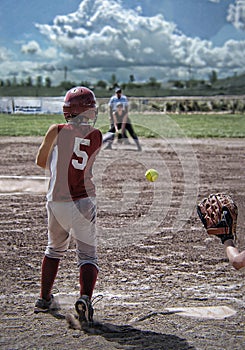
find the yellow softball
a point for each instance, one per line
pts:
(151, 175)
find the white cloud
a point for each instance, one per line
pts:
(107, 34)
(32, 47)
(39, 64)
(5, 54)
(236, 14)
(102, 33)
(50, 53)
(102, 38)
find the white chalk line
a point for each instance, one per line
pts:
(24, 177)
(23, 184)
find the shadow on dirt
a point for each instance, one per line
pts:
(133, 338)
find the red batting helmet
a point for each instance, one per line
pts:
(77, 100)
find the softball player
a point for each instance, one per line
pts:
(114, 100)
(122, 121)
(68, 151)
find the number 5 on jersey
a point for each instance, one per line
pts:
(80, 165)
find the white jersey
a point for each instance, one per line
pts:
(114, 101)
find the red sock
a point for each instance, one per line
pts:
(49, 272)
(88, 277)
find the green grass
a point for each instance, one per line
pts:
(196, 126)
(145, 125)
(27, 125)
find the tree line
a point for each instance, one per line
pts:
(39, 81)
(43, 86)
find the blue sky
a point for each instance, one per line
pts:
(94, 39)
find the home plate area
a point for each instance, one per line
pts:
(208, 312)
(165, 283)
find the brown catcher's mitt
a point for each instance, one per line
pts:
(218, 213)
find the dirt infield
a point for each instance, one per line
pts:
(165, 283)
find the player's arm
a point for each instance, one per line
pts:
(42, 158)
(110, 104)
(111, 113)
(236, 259)
(115, 121)
(124, 121)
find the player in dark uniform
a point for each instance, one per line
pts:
(114, 100)
(121, 122)
(68, 151)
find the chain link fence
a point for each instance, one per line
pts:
(195, 104)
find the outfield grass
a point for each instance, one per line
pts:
(196, 126)
(145, 125)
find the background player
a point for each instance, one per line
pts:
(122, 121)
(68, 151)
(114, 100)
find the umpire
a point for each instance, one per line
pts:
(114, 100)
(118, 97)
